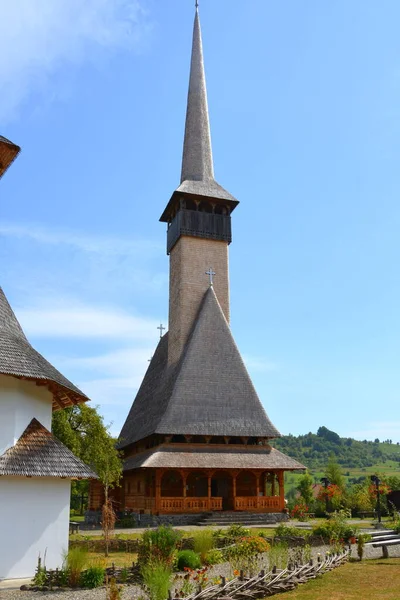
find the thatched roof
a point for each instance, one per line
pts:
(8, 152)
(208, 393)
(18, 358)
(212, 457)
(39, 454)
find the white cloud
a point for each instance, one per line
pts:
(85, 322)
(88, 243)
(37, 37)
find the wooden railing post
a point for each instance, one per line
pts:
(209, 476)
(258, 490)
(281, 490)
(234, 475)
(158, 490)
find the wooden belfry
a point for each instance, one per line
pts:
(197, 438)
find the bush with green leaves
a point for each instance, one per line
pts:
(159, 545)
(93, 577)
(157, 579)
(188, 558)
(74, 563)
(278, 555)
(243, 554)
(336, 529)
(236, 531)
(289, 531)
(203, 542)
(214, 557)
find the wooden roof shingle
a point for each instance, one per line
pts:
(208, 393)
(20, 359)
(38, 453)
(212, 457)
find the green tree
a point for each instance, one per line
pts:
(82, 430)
(333, 472)
(305, 488)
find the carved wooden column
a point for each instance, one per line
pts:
(158, 490)
(184, 476)
(258, 489)
(234, 475)
(281, 490)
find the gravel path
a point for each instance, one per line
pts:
(133, 592)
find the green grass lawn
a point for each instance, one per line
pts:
(366, 580)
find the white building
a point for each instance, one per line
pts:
(35, 468)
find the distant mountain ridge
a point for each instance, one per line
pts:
(314, 450)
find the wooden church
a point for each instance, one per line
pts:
(197, 438)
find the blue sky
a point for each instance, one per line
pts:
(305, 115)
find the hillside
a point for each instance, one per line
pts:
(313, 451)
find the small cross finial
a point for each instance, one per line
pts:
(161, 328)
(197, 4)
(211, 274)
(150, 359)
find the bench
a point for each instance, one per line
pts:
(367, 513)
(73, 527)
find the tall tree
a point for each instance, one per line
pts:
(81, 428)
(305, 488)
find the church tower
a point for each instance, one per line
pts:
(197, 438)
(198, 216)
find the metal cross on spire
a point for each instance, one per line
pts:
(197, 4)
(161, 328)
(211, 274)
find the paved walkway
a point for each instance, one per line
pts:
(13, 584)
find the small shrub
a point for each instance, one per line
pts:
(361, 540)
(113, 591)
(214, 557)
(203, 542)
(243, 555)
(156, 577)
(188, 558)
(288, 530)
(75, 561)
(299, 511)
(236, 531)
(278, 555)
(124, 574)
(93, 577)
(159, 545)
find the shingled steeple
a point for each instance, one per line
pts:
(197, 175)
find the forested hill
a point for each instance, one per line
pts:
(314, 450)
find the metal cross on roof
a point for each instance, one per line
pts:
(161, 328)
(197, 4)
(211, 274)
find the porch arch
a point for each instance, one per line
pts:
(171, 484)
(197, 484)
(246, 484)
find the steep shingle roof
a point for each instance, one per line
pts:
(202, 457)
(18, 358)
(39, 454)
(8, 152)
(209, 393)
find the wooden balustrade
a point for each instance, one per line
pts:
(189, 504)
(269, 503)
(140, 502)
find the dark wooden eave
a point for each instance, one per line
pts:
(8, 153)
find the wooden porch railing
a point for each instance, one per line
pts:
(201, 504)
(140, 502)
(271, 503)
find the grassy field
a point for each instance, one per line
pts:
(367, 580)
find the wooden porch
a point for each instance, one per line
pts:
(174, 491)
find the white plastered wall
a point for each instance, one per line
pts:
(20, 402)
(34, 519)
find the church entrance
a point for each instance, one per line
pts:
(221, 486)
